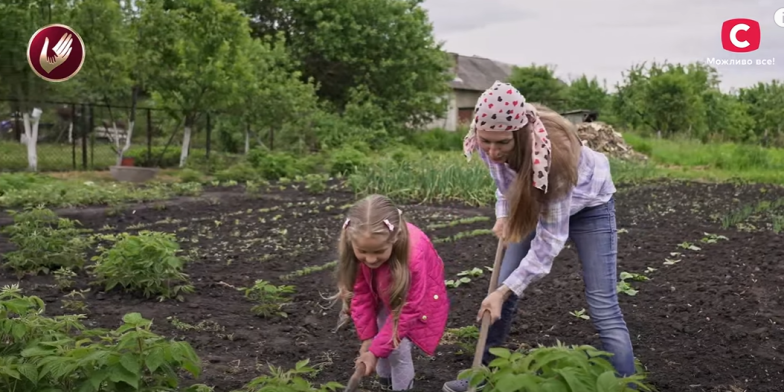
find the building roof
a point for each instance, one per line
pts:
(478, 73)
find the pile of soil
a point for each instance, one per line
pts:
(602, 137)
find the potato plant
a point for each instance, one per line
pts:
(146, 263)
(554, 369)
(48, 354)
(44, 242)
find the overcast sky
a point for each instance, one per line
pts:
(603, 38)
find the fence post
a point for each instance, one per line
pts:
(92, 136)
(209, 138)
(73, 139)
(84, 137)
(149, 136)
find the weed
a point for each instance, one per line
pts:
(291, 380)
(269, 298)
(580, 314)
(464, 337)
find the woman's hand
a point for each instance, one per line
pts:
(493, 304)
(499, 229)
(370, 360)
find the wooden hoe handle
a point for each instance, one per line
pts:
(480, 344)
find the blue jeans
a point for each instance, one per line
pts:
(594, 233)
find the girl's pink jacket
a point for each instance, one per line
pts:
(424, 316)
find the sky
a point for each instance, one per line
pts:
(604, 38)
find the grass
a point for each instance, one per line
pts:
(56, 157)
(407, 174)
(689, 159)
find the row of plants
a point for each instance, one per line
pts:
(27, 190)
(61, 354)
(149, 263)
(48, 354)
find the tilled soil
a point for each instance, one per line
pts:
(710, 322)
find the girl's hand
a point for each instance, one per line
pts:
(499, 229)
(370, 360)
(365, 346)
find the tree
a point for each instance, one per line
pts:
(539, 84)
(584, 93)
(18, 21)
(195, 51)
(765, 102)
(110, 74)
(383, 46)
(274, 93)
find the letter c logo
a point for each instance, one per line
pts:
(734, 35)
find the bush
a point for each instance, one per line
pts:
(344, 161)
(216, 162)
(169, 157)
(437, 140)
(146, 262)
(241, 172)
(190, 175)
(274, 165)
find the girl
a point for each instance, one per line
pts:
(550, 188)
(398, 295)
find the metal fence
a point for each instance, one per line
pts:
(85, 136)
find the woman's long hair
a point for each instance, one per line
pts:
(526, 203)
(367, 217)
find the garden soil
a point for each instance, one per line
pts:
(711, 322)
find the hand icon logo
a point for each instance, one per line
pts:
(53, 60)
(61, 52)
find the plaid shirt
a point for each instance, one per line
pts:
(594, 187)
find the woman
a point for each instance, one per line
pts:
(549, 188)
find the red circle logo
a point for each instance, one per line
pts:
(55, 53)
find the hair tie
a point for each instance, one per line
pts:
(390, 226)
(345, 224)
(502, 108)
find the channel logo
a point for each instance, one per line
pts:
(740, 35)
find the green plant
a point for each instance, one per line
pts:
(316, 183)
(268, 297)
(63, 278)
(241, 172)
(190, 175)
(59, 353)
(44, 242)
(273, 165)
(345, 160)
(145, 262)
(625, 287)
(288, 381)
(464, 337)
(553, 369)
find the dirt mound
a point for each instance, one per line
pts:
(602, 137)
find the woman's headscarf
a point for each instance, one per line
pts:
(502, 108)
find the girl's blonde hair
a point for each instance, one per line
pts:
(369, 216)
(526, 203)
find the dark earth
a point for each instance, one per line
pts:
(712, 322)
